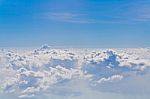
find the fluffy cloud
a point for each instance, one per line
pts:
(110, 79)
(28, 73)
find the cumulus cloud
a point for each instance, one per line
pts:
(30, 73)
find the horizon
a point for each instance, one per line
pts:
(68, 47)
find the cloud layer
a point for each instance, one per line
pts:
(59, 72)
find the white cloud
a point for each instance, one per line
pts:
(110, 79)
(26, 74)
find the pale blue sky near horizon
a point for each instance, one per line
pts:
(75, 23)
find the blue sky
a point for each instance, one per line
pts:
(75, 23)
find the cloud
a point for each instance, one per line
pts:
(129, 18)
(143, 14)
(69, 17)
(43, 70)
(138, 12)
(111, 79)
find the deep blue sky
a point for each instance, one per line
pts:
(75, 23)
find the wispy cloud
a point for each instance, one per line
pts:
(69, 17)
(81, 18)
(142, 13)
(134, 14)
(84, 18)
(139, 12)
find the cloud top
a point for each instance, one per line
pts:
(28, 73)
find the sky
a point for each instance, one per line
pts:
(75, 23)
